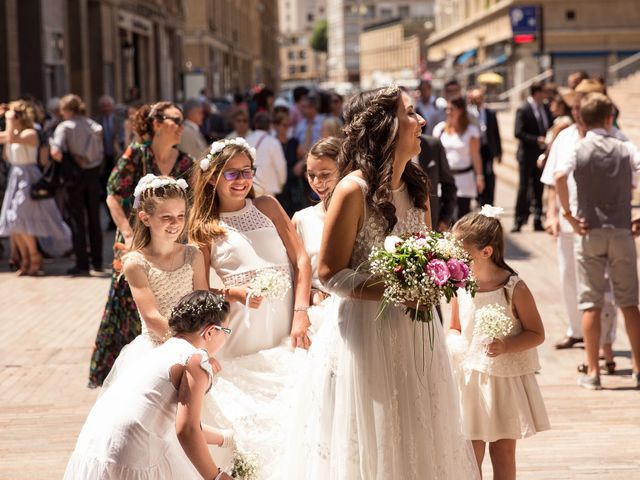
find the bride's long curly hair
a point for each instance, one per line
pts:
(371, 129)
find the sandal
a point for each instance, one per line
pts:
(610, 367)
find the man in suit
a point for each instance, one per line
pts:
(442, 195)
(490, 143)
(532, 122)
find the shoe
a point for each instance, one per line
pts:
(567, 342)
(537, 226)
(516, 227)
(610, 367)
(636, 378)
(78, 272)
(590, 383)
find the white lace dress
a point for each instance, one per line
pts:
(168, 288)
(499, 396)
(130, 431)
(251, 244)
(394, 411)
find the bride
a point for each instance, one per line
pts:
(395, 411)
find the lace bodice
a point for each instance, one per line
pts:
(508, 364)
(168, 287)
(372, 233)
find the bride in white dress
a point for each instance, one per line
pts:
(394, 414)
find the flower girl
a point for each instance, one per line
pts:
(131, 430)
(160, 270)
(493, 340)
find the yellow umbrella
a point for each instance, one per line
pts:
(490, 78)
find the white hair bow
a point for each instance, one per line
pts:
(152, 181)
(491, 211)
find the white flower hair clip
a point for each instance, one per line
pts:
(217, 147)
(152, 181)
(491, 212)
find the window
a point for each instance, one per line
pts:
(403, 11)
(309, 17)
(302, 54)
(303, 69)
(385, 12)
(291, 55)
(292, 69)
(570, 15)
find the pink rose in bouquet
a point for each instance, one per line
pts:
(438, 272)
(459, 272)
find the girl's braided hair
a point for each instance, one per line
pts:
(198, 310)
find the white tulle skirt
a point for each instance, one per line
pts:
(377, 402)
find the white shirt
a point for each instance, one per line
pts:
(458, 150)
(539, 112)
(561, 153)
(271, 166)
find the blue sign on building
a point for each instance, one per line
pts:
(524, 20)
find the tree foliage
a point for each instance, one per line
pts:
(319, 36)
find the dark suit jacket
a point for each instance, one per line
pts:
(493, 134)
(528, 131)
(433, 161)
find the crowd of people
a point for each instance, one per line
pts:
(210, 201)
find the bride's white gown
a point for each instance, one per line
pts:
(394, 411)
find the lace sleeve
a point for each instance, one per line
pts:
(190, 254)
(136, 258)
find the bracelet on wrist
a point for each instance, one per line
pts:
(301, 309)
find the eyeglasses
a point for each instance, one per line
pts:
(322, 178)
(177, 120)
(217, 327)
(246, 173)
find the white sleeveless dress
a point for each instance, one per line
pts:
(394, 412)
(168, 288)
(251, 244)
(130, 432)
(499, 396)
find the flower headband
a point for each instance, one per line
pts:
(211, 302)
(217, 147)
(152, 181)
(491, 212)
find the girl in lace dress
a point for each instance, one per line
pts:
(500, 398)
(393, 415)
(159, 269)
(130, 432)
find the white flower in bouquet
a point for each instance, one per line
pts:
(271, 284)
(390, 243)
(245, 466)
(492, 321)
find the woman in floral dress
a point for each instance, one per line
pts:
(160, 128)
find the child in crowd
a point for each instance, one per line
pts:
(499, 396)
(131, 430)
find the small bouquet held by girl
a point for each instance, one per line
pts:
(419, 269)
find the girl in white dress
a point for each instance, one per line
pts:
(239, 236)
(130, 432)
(461, 141)
(393, 416)
(500, 398)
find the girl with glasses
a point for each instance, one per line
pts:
(147, 424)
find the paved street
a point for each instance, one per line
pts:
(48, 326)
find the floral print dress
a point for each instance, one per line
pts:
(120, 321)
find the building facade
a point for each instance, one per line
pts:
(475, 36)
(348, 18)
(230, 45)
(299, 63)
(393, 52)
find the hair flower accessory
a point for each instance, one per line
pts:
(491, 212)
(152, 181)
(217, 147)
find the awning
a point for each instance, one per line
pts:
(486, 65)
(463, 57)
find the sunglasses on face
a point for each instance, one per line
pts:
(246, 173)
(177, 120)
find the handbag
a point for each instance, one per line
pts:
(48, 184)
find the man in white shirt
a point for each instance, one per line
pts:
(271, 166)
(562, 149)
(192, 141)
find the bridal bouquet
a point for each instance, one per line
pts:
(422, 267)
(270, 284)
(245, 466)
(492, 321)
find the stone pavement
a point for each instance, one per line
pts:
(49, 324)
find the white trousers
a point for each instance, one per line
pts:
(568, 279)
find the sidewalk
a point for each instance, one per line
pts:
(49, 325)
